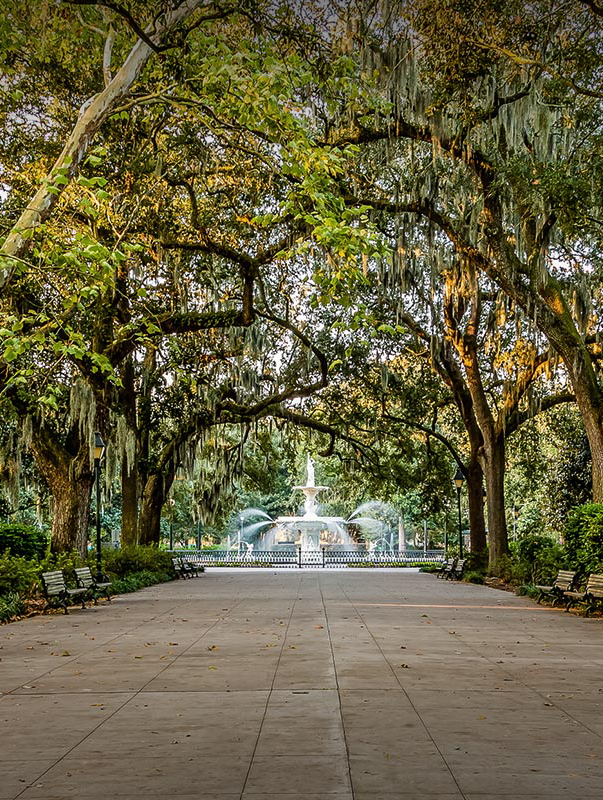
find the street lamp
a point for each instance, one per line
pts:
(459, 479)
(99, 451)
(171, 503)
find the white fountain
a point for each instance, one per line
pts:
(311, 530)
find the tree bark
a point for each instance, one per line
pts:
(129, 470)
(149, 520)
(129, 503)
(493, 463)
(67, 470)
(477, 522)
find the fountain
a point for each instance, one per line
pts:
(310, 531)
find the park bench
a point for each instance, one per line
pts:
(564, 582)
(591, 597)
(179, 569)
(447, 568)
(194, 567)
(58, 594)
(457, 571)
(186, 569)
(94, 588)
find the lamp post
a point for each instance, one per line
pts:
(459, 479)
(99, 451)
(172, 503)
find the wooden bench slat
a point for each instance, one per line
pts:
(591, 596)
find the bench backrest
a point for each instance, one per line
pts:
(53, 583)
(595, 583)
(460, 564)
(565, 580)
(450, 563)
(84, 577)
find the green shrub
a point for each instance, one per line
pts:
(584, 538)
(542, 557)
(533, 559)
(134, 559)
(18, 574)
(11, 605)
(138, 580)
(23, 540)
(527, 590)
(473, 577)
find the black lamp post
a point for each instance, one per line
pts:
(459, 479)
(172, 503)
(99, 451)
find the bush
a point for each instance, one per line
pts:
(18, 574)
(138, 580)
(528, 590)
(134, 559)
(584, 538)
(473, 577)
(542, 557)
(23, 540)
(11, 605)
(534, 559)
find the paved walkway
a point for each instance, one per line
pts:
(303, 686)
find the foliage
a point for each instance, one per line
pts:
(139, 580)
(18, 539)
(129, 560)
(534, 559)
(584, 538)
(473, 577)
(18, 574)
(528, 590)
(11, 605)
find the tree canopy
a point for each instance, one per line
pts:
(226, 228)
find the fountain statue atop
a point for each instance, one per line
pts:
(310, 472)
(310, 491)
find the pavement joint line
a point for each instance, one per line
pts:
(403, 690)
(271, 690)
(134, 695)
(518, 680)
(345, 738)
(87, 652)
(433, 605)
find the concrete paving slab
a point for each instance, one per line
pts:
(356, 685)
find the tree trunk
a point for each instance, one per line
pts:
(129, 503)
(477, 523)
(66, 468)
(493, 463)
(588, 400)
(149, 520)
(129, 466)
(71, 509)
